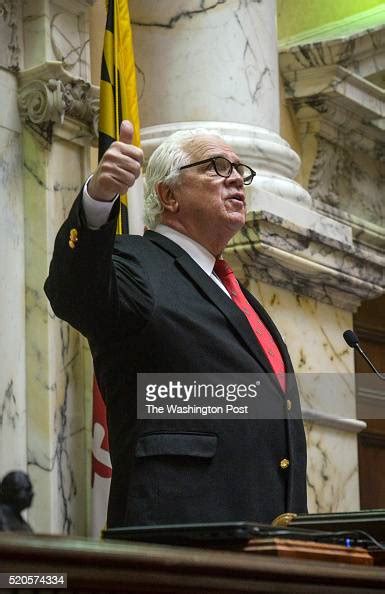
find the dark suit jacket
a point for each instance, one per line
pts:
(150, 308)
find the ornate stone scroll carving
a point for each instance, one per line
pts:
(45, 101)
(80, 104)
(42, 102)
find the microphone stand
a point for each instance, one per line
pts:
(351, 340)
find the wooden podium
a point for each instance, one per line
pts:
(105, 566)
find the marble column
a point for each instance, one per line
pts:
(58, 108)
(12, 296)
(218, 61)
(214, 64)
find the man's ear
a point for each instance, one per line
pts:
(167, 197)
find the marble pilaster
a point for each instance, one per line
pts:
(57, 453)
(13, 420)
(59, 111)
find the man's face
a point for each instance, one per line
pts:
(210, 206)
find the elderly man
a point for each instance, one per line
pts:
(167, 302)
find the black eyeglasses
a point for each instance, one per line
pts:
(224, 168)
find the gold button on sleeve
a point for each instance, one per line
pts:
(284, 463)
(71, 244)
(288, 404)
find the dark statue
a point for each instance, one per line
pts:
(16, 494)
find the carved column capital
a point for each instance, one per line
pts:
(46, 100)
(42, 102)
(81, 103)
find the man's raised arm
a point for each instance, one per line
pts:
(81, 283)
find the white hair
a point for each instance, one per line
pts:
(163, 166)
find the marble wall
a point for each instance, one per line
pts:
(350, 180)
(13, 418)
(46, 125)
(57, 446)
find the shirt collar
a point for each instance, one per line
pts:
(195, 250)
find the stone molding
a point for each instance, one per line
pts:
(9, 35)
(368, 235)
(339, 423)
(340, 30)
(304, 260)
(362, 53)
(336, 90)
(341, 106)
(49, 95)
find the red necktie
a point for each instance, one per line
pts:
(227, 276)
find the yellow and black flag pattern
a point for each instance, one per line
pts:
(118, 98)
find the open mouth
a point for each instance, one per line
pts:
(237, 197)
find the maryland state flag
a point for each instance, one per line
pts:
(118, 98)
(118, 102)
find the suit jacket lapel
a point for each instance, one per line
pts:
(233, 314)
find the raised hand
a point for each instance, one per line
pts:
(118, 168)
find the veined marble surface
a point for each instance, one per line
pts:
(57, 31)
(336, 88)
(11, 41)
(349, 180)
(57, 395)
(12, 311)
(332, 470)
(56, 421)
(361, 52)
(204, 61)
(311, 259)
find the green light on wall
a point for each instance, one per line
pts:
(309, 20)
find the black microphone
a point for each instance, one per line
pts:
(352, 341)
